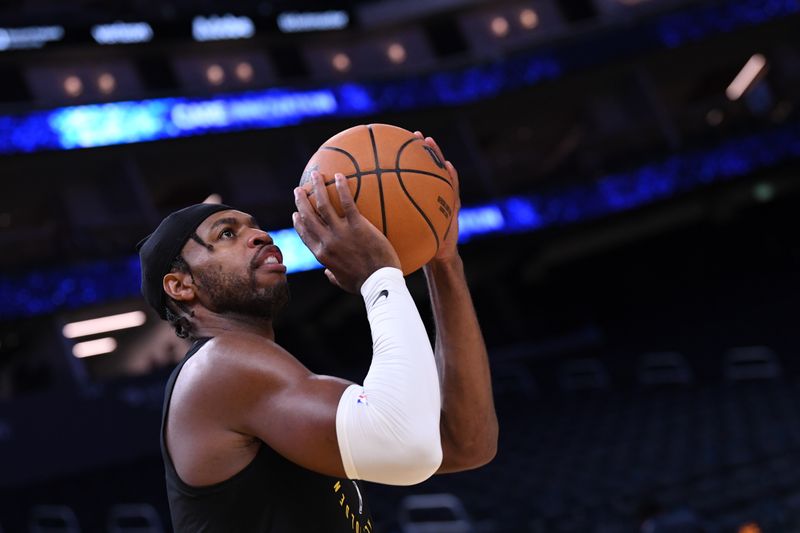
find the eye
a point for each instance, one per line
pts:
(227, 233)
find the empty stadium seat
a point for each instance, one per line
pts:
(664, 368)
(583, 374)
(53, 519)
(433, 513)
(134, 518)
(751, 363)
(513, 379)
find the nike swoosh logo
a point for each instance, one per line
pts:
(384, 292)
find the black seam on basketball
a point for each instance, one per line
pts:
(403, 147)
(403, 170)
(397, 163)
(378, 172)
(424, 173)
(419, 209)
(398, 170)
(449, 225)
(353, 160)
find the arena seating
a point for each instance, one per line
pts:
(53, 519)
(134, 518)
(433, 513)
(587, 457)
(581, 450)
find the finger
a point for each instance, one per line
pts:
(332, 278)
(308, 237)
(454, 180)
(453, 173)
(307, 217)
(418, 134)
(430, 142)
(345, 197)
(324, 207)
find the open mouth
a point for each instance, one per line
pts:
(269, 256)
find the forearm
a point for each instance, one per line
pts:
(468, 423)
(388, 429)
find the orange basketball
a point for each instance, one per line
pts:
(398, 183)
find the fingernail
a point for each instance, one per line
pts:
(338, 176)
(315, 174)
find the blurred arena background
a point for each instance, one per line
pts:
(630, 176)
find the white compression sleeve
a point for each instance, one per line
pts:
(388, 430)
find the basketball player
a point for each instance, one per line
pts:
(251, 439)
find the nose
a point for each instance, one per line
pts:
(258, 237)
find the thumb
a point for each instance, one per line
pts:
(332, 278)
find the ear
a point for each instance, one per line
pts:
(179, 286)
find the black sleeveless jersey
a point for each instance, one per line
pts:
(271, 494)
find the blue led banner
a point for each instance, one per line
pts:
(47, 291)
(116, 123)
(693, 24)
(90, 126)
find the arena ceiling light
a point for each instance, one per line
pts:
(95, 347)
(73, 86)
(215, 74)
(226, 27)
(106, 83)
(292, 22)
(341, 62)
(122, 33)
(396, 53)
(752, 71)
(528, 18)
(104, 324)
(244, 71)
(499, 26)
(29, 37)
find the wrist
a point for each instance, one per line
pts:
(372, 285)
(437, 265)
(378, 266)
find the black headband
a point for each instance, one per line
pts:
(158, 250)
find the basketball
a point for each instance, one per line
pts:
(398, 182)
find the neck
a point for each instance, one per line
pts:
(211, 324)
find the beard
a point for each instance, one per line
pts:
(241, 294)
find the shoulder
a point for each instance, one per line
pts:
(241, 352)
(229, 367)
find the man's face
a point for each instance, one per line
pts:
(238, 270)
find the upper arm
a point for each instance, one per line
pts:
(266, 393)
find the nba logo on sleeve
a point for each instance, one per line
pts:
(362, 398)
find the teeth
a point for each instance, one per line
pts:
(271, 260)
